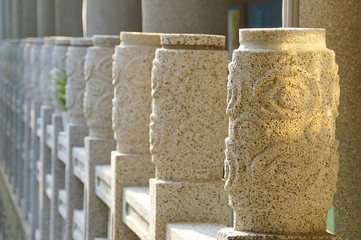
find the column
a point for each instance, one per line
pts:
(341, 20)
(131, 163)
(99, 93)
(111, 17)
(281, 152)
(29, 18)
(68, 18)
(187, 128)
(17, 9)
(186, 16)
(45, 11)
(8, 18)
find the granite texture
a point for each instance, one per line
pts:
(132, 69)
(188, 125)
(98, 152)
(281, 153)
(74, 198)
(230, 234)
(99, 89)
(35, 55)
(112, 16)
(186, 16)
(75, 85)
(342, 23)
(131, 163)
(45, 62)
(189, 98)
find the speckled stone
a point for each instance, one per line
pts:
(342, 22)
(188, 123)
(75, 85)
(35, 58)
(281, 153)
(99, 89)
(45, 62)
(131, 163)
(189, 92)
(132, 69)
(230, 234)
(186, 16)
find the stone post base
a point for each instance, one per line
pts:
(230, 234)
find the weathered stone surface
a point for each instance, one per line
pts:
(75, 85)
(187, 126)
(131, 163)
(99, 89)
(45, 62)
(132, 67)
(188, 121)
(342, 23)
(230, 234)
(186, 16)
(281, 157)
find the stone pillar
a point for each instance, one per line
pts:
(16, 18)
(131, 163)
(76, 129)
(45, 71)
(8, 18)
(186, 16)
(281, 152)
(45, 11)
(29, 15)
(36, 101)
(342, 21)
(98, 97)
(68, 18)
(188, 123)
(58, 70)
(111, 17)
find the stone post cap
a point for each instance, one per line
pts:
(106, 40)
(37, 41)
(81, 42)
(14, 40)
(199, 41)
(140, 38)
(282, 37)
(49, 40)
(62, 41)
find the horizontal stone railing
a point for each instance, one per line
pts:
(135, 148)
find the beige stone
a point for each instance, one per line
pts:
(187, 127)
(131, 163)
(132, 91)
(342, 23)
(281, 158)
(75, 85)
(45, 62)
(99, 89)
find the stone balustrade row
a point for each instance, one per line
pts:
(123, 137)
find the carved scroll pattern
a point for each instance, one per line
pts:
(281, 133)
(132, 99)
(99, 91)
(75, 86)
(188, 113)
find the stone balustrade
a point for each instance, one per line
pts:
(137, 150)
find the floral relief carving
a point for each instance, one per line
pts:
(281, 138)
(99, 91)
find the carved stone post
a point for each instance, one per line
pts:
(45, 71)
(281, 158)
(35, 104)
(187, 126)
(98, 97)
(131, 163)
(73, 135)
